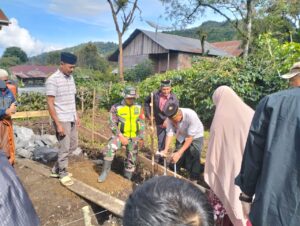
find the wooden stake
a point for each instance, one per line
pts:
(152, 130)
(93, 121)
(82, 100)
(86, 216)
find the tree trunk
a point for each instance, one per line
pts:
(121, 67)
(248, 22)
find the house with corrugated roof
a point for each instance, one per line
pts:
(166, 51)
(3, 19)
(32, 75)
(233, 47)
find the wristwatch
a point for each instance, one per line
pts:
(244, 198)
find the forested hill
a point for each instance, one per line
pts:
(215, 31)
(104, 48)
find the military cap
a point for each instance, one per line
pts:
(129, 92)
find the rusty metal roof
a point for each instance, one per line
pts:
(233, 47)
(3, 19)
(175, 43)
(32, 71)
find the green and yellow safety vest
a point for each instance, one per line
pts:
(129, 124)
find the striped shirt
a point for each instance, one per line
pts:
(63, 88)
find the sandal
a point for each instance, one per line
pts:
(66, 180)
(56, 175)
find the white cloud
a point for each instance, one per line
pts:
(87, 11)
(79, 7)
(14, 35)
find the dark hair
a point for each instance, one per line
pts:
(167, 201)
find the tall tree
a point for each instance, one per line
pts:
(89, 57)
(16, 52)
(238, 12)
(122, 10)
(280, 17)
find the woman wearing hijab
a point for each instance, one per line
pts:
(228, 135)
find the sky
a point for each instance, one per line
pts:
(39, 26)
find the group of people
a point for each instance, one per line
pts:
(251, 166)
(250, 154)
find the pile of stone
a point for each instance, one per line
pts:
(37, 147)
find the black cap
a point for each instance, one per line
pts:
(68, 58)
(171, 109)
(165, 83)
(2, 84)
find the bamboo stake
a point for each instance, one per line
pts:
(152, 131)
(93, 120)
(86, 216)
(82, 100)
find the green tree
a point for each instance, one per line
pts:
(121, 10)
(139, 72)
(7, 62)
(15, 52)
(89, 57)
(52, 58)
(280, 17)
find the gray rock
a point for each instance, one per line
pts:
(24, 153)
(49, 140)
(23, 133)
(45, 154)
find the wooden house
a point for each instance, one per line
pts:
(166, 51)
(32, 75)
(3, 19)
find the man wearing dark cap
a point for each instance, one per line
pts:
(61, 91)
(160, 98)
(7, 108)
(185, 124)
(270, 172)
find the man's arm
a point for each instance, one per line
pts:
(113, 122)
(170, 133)
(187, 143)
(52, 112)
(9, 109)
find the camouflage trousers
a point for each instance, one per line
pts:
(115, 144)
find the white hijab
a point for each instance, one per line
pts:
(228, 136)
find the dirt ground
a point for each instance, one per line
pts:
(55, 205)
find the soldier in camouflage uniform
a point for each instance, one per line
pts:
(127, 124)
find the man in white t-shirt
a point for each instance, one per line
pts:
(185, 124)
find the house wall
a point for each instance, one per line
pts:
(161, 62)
(184, 60)
(139, 49)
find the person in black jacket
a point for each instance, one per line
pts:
(160, 98)
(15, 205)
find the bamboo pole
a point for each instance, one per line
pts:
(82, 100)
(93, 120)
(152, 130)
(86, 216)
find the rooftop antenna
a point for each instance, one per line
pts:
(157, 27)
